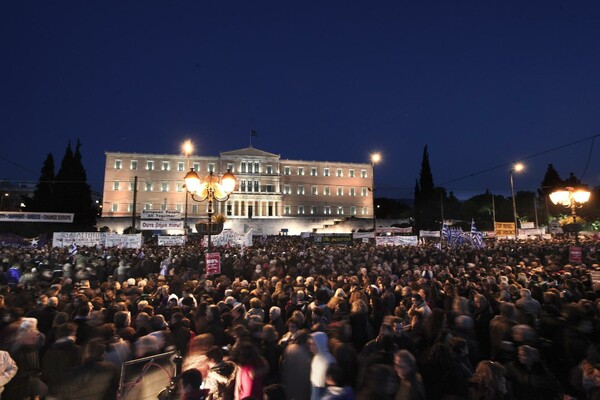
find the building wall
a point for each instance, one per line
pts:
(267, 186)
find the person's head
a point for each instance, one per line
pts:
(334, 375)
(274, 313)
(94, 351)
(214, 356)
(405, 364)
(491, 376)
(274, 392)
(528, 355)
(190, 381)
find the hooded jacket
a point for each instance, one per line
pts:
(321, 360)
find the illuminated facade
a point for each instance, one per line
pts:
(267, 187)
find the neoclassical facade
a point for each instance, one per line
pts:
(268, 187)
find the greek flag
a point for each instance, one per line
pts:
(73, 249)
(446, 233)
(476, 237)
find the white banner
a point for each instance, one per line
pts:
(397, 240)
(160, 225)
(527, 225)
(229, 238)
(15, 216)
(91, 239)
(433, 234)
(65, 239)
(362, 235)
(171, 240)
(132, 241)
(393, 229)
(161, 214)
(532, 232)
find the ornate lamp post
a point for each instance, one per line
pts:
(375, 159)
(571, 198)
(187, 148)
(209, 189)
(516, 168)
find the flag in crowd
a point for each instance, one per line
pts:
(476, 236)
(455, 236)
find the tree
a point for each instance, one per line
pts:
(427, 203)
(44, 198)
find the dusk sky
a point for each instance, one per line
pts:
(482, 83)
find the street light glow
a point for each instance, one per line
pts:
(518, 167)
(375, 158)
(187, 147)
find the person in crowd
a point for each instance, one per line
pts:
(322, 358)
(336, 390)
(220, 379)
(410, 386)
(61, 358)
(295, 367)
(489, 382)
(8, 369)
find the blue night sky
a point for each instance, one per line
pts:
(482, 83)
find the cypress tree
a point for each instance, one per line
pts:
(44, 199)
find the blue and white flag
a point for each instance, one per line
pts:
(73, 249)
(476, 237)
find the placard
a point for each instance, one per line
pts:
(575, 254)
(171, 240)
(160, 225)
(213, 263)
(161, 214)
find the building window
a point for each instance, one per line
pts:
(179, 207)
(194, 208)
(242, 185)
(129, 207)
(365, 210)
(256, 186)
(287, 210)
(229, 209)
(301, 189)
(269, 169)
(166, 166)
(339, 173)
(164, 186)
(230, 167)
(116, 185)
(313, 171)
(149, 186)
(363, 173)
(243, 167)
(363, 191)
(287, 170)
(326, 191)
(268, 188)
(301, 171)
(180, 166)
(300, 209)
(340, 191)
(256, 167)
(211, 167)
(179, 187)
(313, 210)
(131, 186)
(118, 164)
(352, 192)
(249, 186)
(314, 190)
(196, 166)
(133, 165)
(115, 207)
(163, 206)
(147, 206)
(340, 210)
(351, 173)
(287, 189)
(150, 165)
(353, 210)
(325, 171)
(327, 210)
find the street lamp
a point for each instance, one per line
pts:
(375, 159)
(210, 189)
(516, 168)
(187, 149)
(571, 198)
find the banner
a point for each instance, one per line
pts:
(595, 275)
(91, 239)
(213, 263)
(131, 241)
(160, 225)
(489, 234)
(433, 234)
(504, 228)
(392, 229)
(362, 235)
(229, 238)
(171, 240)
(161, 214)
(15, 216)
(532, 232)
(397, 240)
(575, 254)
(527, 225)
(333, 238)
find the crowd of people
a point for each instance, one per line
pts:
(289, 319)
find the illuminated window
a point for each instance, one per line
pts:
(300, 189)
(365, 210)
(163, 206)
(313, 171)
(327, 210)
(340, 210)
(164, 186)
(116, 185)
(314, 190)
(243, 167)
(352, 192)
(196, 166)
(326, 191)
(301, 171)
(300, 209)
(129, 207)
(256, 186)
(363, 173)
(287, 210)
(166, 166)
(147, 206)
(269, 169)
(180, 166)
(242, 185)
(194, 208)
(150, 165)
(133, 165)
(115, 207)
(353, 210)
(325, 171)
(211, 167)
(149, 186)
(179, 207)
(351, 173)
(131, 186)
(363, 191)
(287, 189)
(256, 167)
(287, 170)
(118, 164)
(340, 191)
(179, 187)
(339, 173)
(313, 210)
